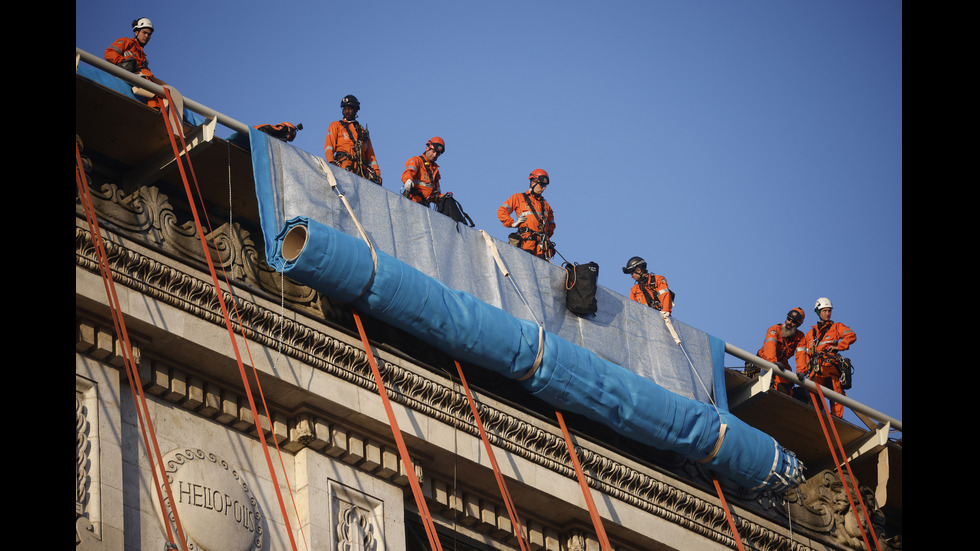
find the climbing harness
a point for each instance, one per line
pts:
(357, 165)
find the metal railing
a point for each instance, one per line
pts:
(141, 82)
(810, 385)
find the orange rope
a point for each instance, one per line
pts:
(593, 512)
(241, 325)
(430, 528)
(132, 373)
(847, 489)
(728, 513)
(847, 465)
(508, 502)
(224, 309)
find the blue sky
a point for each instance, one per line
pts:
(750, 150)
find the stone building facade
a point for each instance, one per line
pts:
(332, 466)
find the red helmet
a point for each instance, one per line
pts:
(539, 176)
(438, 144)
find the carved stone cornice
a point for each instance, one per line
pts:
(147, 217)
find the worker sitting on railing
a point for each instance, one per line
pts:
(817, 355)
(128, 53)
(780, 345)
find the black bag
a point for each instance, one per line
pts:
(448, 205)
(581, 281)
(846, 373)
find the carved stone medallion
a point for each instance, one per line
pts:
(216, 507)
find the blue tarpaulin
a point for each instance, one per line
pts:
(485, 326)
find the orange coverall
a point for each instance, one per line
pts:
(126, 49)
(779, 349)
(656, 286)
(339, 148)
(538, 213)
(828, 375)
(425, 175)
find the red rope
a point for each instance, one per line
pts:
(847, 488)
(847, 465)
(593, 512)
(241, 324)
(171, 131)
(728, 513)
(508, 502)
(132, 373)
(430, 528)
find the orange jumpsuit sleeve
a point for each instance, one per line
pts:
(412, 170)
(330, 142)
(637, 294)
(371, 159)
(512, 204)
(663, 293)
(770, 345)
(845, 336)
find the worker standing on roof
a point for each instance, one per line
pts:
(348, 144)
(780, 345)
(128, 53)
(649, 289)
(421, 176)
(818, 355)
(535, 222)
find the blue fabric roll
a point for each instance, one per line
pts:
(569, 377)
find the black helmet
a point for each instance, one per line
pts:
(634, 263)
(796, 315)
(350, 100)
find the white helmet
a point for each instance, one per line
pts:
(822, 302)
(142, 23)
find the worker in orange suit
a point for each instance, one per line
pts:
(421, 175)
(348, 144)
(535, 219)
(128, 54)
(650, 289)
(780, 345)
(818, 354)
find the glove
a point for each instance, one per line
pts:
(520, 219)
(408, 184)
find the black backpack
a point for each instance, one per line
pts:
(448, 205)
(581, 281)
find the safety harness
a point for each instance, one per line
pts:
(357, 165)
(544, 248)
